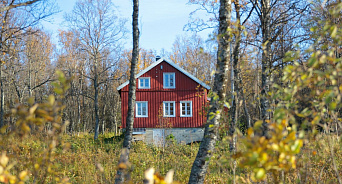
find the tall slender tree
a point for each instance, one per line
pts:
(206, 149)
(99, 32)
(131, 93)
(272, 15)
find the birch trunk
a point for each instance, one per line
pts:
(235, 82)
(131, 93)
(2, 99)
(206, 149)
(265, 64)
(96, 102)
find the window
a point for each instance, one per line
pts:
(169, 80)
(144, 83)
(169, 109)
(141, 109)
(186, 108)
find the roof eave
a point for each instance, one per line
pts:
(172, 64)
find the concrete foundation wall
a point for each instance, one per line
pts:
(186, 135)
(158, 136)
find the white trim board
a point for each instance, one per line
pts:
(172, 64)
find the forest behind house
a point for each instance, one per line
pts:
(275, 64)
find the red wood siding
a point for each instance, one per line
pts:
(186, 90)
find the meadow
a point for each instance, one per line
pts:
(80, 159)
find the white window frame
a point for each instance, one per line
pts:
(140, 84)
(174, 109)
(180, 105)
(165, 83)
(136, 109)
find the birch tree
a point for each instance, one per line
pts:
(131, 95)
(99, 32)
(16, 18)
(271, 16)
(206, 149)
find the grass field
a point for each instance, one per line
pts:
(82, 160)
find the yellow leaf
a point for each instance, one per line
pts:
(281, 157)
(33, 108)
(264, 157)
(334, 32)
(25, 128)
(36, 166)
(250, 132)
(122, 166)
(257, 124)
(22, 175)
(3, 159)
(51, 99)
(12, 179)
(260, 174)
(275, 147)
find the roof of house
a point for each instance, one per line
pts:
(172, 64)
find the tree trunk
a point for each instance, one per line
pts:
(2, 98)
(265, 64)
(248, 117)
(206, 149)
(96, 102)
(30, 80)
(235, 80)
(131, 94)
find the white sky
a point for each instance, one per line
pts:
(160, 21)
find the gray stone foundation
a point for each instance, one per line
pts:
(157, 136)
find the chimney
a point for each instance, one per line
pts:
(157, 58)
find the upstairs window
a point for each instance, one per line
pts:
(141, 109)
(169, 80)
(169, 109)
(186, 108)
(144, 83)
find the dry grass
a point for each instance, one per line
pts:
(78, 163)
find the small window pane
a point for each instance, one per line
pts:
(147, 83)
(141, 109)
(167, 80)
(186, 109)
(144, 111)
(169, 109)
(144, 83)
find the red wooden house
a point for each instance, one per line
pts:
(169, 100)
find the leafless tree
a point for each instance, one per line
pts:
(100, 32)
(16, 18)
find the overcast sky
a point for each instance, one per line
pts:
(160, 21)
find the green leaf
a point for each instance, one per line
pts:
(260, 174)
(258, 124)
(332, 105)
(334, 31)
